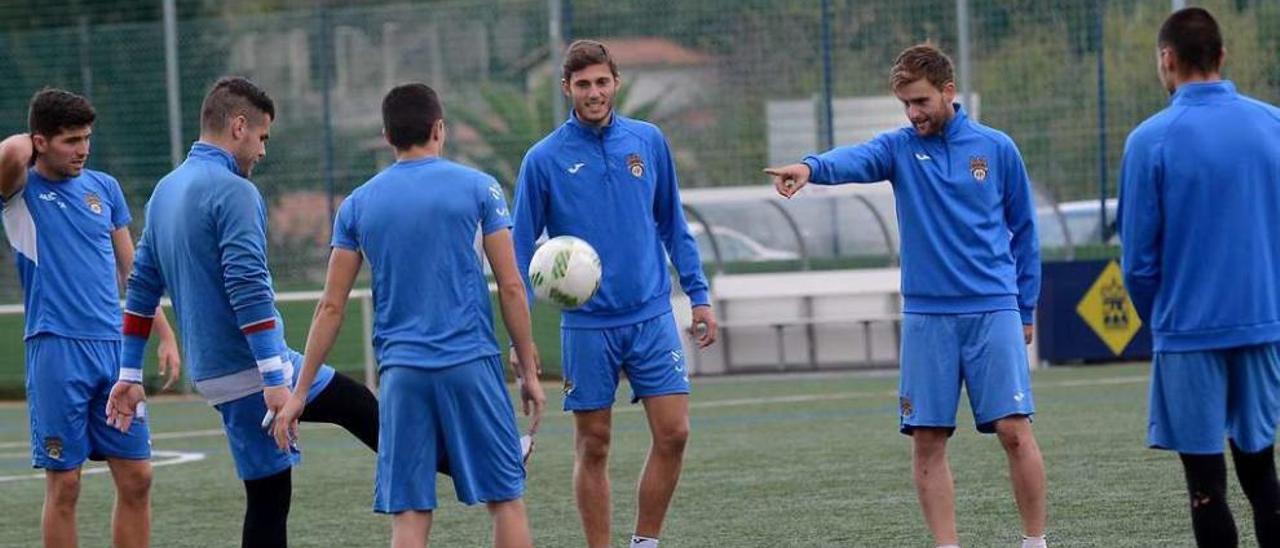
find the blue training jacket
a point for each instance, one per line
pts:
(205, 243)
(966, 217)
(1199, 207)
(614, 187)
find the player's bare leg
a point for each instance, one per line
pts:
(934, 486)
(1026, 471)
(669, 425)
(592, 433)
(58, 522)
(510, 524)
(410, 529)
(131, 517)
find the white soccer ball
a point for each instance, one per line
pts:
(565, 271)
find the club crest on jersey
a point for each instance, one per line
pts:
(636, 165)
(53, 447)
(978, 167)
(95, 203)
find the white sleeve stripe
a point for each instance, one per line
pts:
(274, 363)
(139, 314)
(288, 372)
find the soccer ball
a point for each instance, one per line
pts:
(565, 271)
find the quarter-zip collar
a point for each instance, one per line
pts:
(953, 126)
(1199, 93)
(207, 152)
(586, 129)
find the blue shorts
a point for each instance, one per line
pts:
(252, 447)
(1197, 397)
(985, 352)
(68, 381)
(458, 420)
(650, 352)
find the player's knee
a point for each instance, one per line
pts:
(1012, 440)
(1013, 433)
(514, 507)
(929, 442)
(1206, 480)
(671, 439)
(64, 490)
(593, 444)
(1203, 498)
(134, 486)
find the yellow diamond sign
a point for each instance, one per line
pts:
(1107, 309)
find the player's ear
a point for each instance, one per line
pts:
(239, 123)
(437, 131)
(949, 92)
(39, 142)
(564, 87)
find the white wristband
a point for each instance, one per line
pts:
(272, 370)
(131, 374)
(274, 363)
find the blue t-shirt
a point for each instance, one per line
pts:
(416, 223)
(61, 231)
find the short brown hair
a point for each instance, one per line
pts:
(232, 96)
(53, 111)
(1195, 38)
(921, 61)
(584, 53)
(409, 113)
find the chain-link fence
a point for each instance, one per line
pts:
(736, 84)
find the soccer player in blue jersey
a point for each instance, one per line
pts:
(69, 228)
(204, 242)
(1199, 199)
(970, 280)
(611, 181)
(444, 403)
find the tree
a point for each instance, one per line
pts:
(513, 120)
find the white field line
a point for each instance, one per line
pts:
(159, 458)
(711, 404)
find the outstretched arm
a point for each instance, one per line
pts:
(869, 162)
(344, 266)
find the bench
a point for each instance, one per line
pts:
(800, 320)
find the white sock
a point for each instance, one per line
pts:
(638, 541)
(1033, 542)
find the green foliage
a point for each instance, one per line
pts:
(1039, 82)
(510, 121)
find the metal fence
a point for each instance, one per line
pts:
(735, 84)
